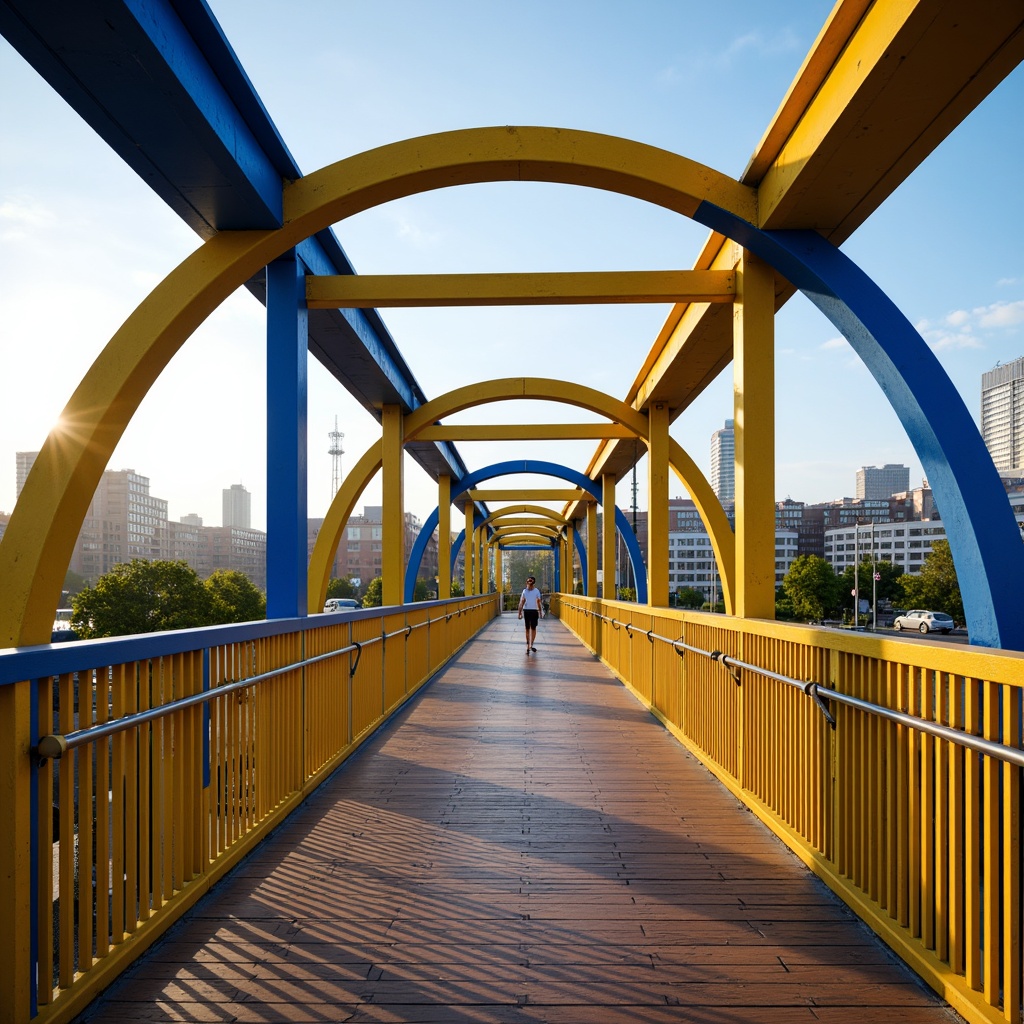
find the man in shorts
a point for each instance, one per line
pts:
(530, 610)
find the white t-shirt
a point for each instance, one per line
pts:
(531, 599)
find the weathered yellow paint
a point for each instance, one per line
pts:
(337, 516)
(444, 536)
(657, 506)
(393, 501)
(754, 415)
(609, 537)
(371, 291)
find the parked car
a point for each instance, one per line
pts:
(341, 604)
(924, 621)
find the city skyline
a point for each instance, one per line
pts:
(943, 246)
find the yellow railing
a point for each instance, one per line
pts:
(891, 766)
(165, 767)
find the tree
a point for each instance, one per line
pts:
(143, 597)
(937, 588)
(374, 596)
(687, 597)
(341, 586)
(784, 610)
(812, 587)
(423, 591)
(235, 597)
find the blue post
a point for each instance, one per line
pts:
(287, 347)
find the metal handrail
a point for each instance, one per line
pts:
(1012, 755)
(55, 745)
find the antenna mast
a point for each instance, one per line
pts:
(335, 452)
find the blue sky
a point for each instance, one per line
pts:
(82, 240)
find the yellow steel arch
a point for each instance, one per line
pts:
(41, 534)
(521, 509)
(340, 509)
(723, 540)
(510, 153)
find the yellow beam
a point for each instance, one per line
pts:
(523, 432)
(883, 85)
(379, 291)
(530, 494)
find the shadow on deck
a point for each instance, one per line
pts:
(523, 842)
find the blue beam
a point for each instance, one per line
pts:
(979, 523)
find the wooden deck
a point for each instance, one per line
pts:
(523, 843)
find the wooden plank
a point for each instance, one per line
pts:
(524, 842)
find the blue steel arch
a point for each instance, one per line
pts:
(542, 469)
(982, 531)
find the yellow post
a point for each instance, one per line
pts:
(15, 851)
(444, 536)
(591, 549)
(657, 506)
(609, 538)
(498, 574)
(569, 559)
(393, 514)
(754, 413)
(467, 549)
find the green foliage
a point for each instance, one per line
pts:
(812, 587)
(937, 588)
(341, 586)
(374, 596)
(235, 597)
(456, 589)
(143, 597)
(784, 610)
(687, 597)
(627, 594)
(423, 591)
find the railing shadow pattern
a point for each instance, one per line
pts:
(166, 758)
(892, 767)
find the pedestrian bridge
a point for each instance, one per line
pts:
(522, 839)
(138, 772)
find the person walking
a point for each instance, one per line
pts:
(530, 610)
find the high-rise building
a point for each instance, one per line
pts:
(880, 482)
(23, 463)
(1002, 414)
(723, 462)
(237, 507)
(124, 521)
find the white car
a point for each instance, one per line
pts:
(924, 621)
(341, 604)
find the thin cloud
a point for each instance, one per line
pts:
(834, 344)
(967, 328)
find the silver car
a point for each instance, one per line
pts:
(924, 621)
